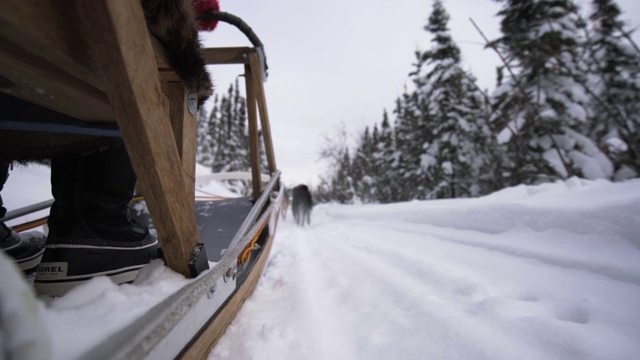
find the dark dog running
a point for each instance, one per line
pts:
(301, 205)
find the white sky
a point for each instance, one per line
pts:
(345, 61)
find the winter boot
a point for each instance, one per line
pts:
(90, 228)
(26, 248)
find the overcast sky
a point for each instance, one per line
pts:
(333, 62)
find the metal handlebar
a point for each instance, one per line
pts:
(243, 27)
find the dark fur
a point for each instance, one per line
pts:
(301, 205)
(173, 23)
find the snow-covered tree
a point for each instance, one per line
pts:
(409, 137)
(450, 108)
(616, 103)
(204, 153)
(385, 163)
(362, 170)
(342, 183)
(222, 136)
(544, 98)
(337, 183)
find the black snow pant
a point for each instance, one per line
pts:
(4, 174)
(91, 196)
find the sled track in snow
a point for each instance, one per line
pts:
(421, 305)
(618, 274)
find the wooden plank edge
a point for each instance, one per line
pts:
(124, 51)
(226, 55)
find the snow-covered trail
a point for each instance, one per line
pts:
(531, 272)
(372, 282)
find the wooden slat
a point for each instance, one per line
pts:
(45, 58)
(184, 130)
(207, 340)
(39, 81)
(121, 45)
(232, 55)
(254, 139)
(50, 30)
(43, 53)
(166, 72)
(254, 62)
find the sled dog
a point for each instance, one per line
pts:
(301, 205)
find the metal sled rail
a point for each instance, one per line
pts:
(165, 330)
(245, 29)
(27, 210)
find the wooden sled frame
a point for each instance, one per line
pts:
(95, 61)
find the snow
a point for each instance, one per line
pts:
(531, 272)
(20, 328)
(616, 145)
(27, 185)
(544, 272)
(90, 313)
(209, 187)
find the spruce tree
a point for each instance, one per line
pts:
(375, 167)
(385, 158)
(342, 183)
(450, 108)
(223, 138)
(214, 134)
(616, 68)
(361, 168)
(544, 97)
(225, 145)
(408, 140)
(240, 130)
(204, 154)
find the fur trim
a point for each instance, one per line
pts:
(174, 24)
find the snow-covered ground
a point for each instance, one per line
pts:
(545, 272)
(537, 272)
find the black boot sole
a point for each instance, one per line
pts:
(65, 266)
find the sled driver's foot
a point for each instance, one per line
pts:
(25, 248)
(72, 260)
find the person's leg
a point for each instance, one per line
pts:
(26, 248)
(90, 228)
(4, 174)
(92, 193)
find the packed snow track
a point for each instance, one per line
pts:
(547, 272)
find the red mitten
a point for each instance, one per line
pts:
(201, 6)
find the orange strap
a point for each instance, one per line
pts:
(246, 253)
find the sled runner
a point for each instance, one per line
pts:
(95, 66)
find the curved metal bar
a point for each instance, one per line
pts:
(243, 27)
(257, 208)
(233, 20)
(27, 210)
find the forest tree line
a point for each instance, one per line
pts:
(223, 140)
(567, 103)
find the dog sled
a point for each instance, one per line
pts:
(95, 64)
